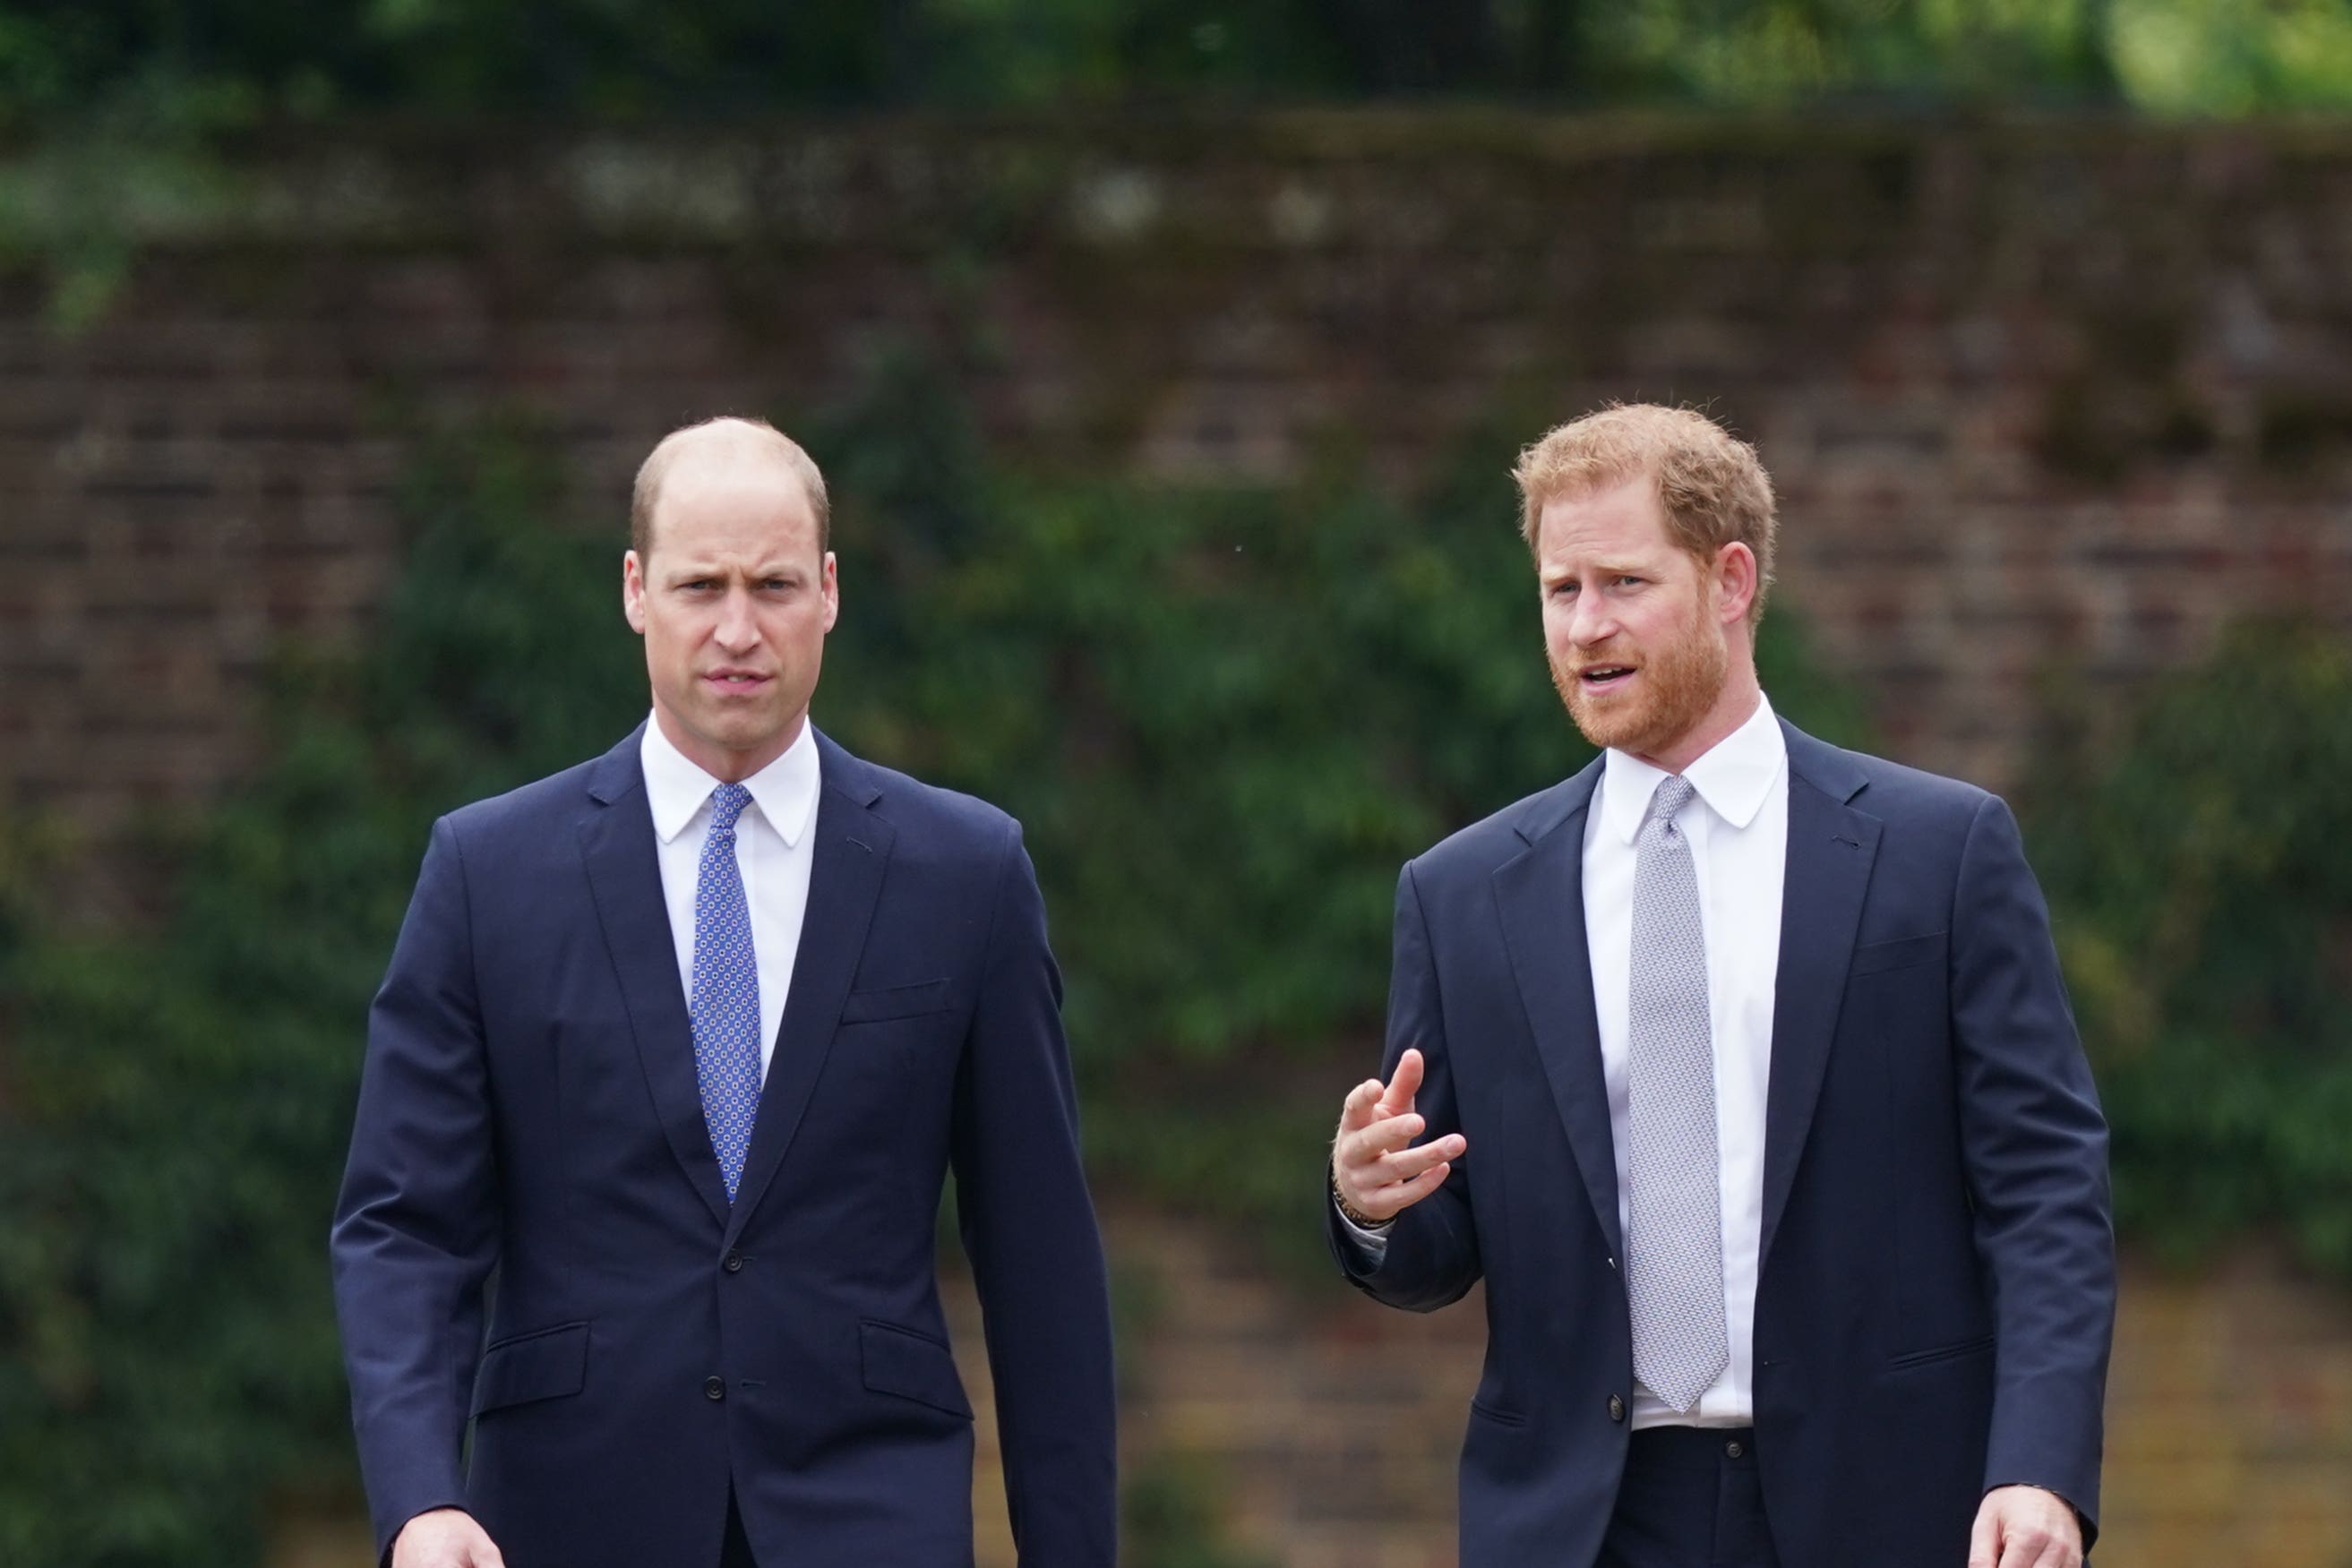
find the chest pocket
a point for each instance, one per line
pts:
(880, 1003)
(1904, 953)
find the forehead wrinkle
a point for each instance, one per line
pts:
(722, 561)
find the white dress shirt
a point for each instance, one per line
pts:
(773, 847)
(1737, 829)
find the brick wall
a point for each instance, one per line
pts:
(2037, 395)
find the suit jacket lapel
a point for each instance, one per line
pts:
(1540, 894)
(617, 839)
(1832, 848)
(852, 851)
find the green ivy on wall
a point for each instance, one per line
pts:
(2199, 864)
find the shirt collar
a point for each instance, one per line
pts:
(678, 790)
(1734, 776)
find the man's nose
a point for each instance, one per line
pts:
(739, 628)
(1590, 621)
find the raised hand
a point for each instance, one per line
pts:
(445, 1537)
(1377, 1174)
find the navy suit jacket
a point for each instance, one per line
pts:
(1936, 1284)
(530, 1108)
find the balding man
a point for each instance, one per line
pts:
(679, 1044)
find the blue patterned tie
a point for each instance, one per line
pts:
(726, 1002)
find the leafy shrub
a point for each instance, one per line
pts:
(2201, 870)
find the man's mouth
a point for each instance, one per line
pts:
(1604, 677)
(735, 680)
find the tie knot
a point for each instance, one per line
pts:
(727, 803)
(1673, 793)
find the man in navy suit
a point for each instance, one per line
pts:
(680, 1045)
(1739, 1068)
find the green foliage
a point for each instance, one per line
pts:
(2201, 876)
(181, 1098)
(236, 60)
(1226, 716)
(121, 118)
(1788, 52)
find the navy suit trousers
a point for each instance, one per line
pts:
(1691, 1498)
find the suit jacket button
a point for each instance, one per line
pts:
(714, 1388)
(1616, 1408)
(733, 1263)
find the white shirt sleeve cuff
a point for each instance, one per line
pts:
(1372, 1245)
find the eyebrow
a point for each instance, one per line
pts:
(693, 571)
(1599, 568)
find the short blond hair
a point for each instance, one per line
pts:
(734, 433)
(1710, 484)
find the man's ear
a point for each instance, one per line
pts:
(1734, 582)
(632, 592)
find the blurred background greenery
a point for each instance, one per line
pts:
(228, 59)
(1225, 713)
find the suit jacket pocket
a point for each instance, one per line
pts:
(546, 1363)
(1876, 957)
(912, 1366)
(1500, 1416)
(1976, 1345)
(895, 1002)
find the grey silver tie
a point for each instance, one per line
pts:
(1673, 1233)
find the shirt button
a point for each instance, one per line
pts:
(714, 1388)
(1734, 1449)
(733, 1263)
(1616, 1408)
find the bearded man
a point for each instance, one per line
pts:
(1739, 1068)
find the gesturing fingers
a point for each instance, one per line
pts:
(1379, 1175)
(1377, 1171)
(1397, 1097)
(1403, 1164)
(1388, 1199)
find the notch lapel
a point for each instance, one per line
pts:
(851, 850)
(616, 840)
(1540, 896)
(1832, 849)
